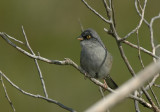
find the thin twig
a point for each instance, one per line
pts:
(82, 29)
(139, 51)
(113, 13)
(135, 46)
(57, 62)
(101, 91)
(136, 103)
(141, 101)
(136, 106)
(139, 4)
(151, 33)
(14, 39)
(107, 21)
(139, 25)
(113, 31)
(154, 52)
(151, 82)
(136, 6)
(108, 10)
(36, 96)
(154, 107)
(141, 48)
(36, 62)
(126, 59)
(155, 97)
(6, 94)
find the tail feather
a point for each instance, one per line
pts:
(111, 83)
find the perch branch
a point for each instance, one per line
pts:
(67, 61)
(126, 89)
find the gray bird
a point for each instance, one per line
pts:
(95, 60)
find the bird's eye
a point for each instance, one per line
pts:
(88, 36)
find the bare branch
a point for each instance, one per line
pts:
(136, 106)
(141, 48)
(108, 10)
(112, 31)
(101, 91)
(126, 88)
(136, 6)
(151, 33)
(113, 13)
(107, 21)
(155, 97)
(136, 103)
(154, 107)
(152, 82)
(5, 90)
(82, 29)
(36, 96)
(154, 52)
(36, 62)
(64, 62)
(68, 61)
(135, 46)
(139, 25)
(126, 60)
(14, 39)
(141, 101)
(139, 51)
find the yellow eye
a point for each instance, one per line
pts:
(88, 36)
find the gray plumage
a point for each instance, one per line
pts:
(95, 59)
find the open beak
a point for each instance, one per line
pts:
(80, 38)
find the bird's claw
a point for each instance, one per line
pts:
(105, 84)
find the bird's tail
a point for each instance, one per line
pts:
(111, 83)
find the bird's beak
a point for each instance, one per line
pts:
(80, 38)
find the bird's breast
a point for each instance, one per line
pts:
(92, 56)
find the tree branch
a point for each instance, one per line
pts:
(36, 96)
(36, 62)
(107, 21)
(126, 89)
(67, 61)
(6, 94)
(139, 25)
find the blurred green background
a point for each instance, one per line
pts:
(52, 28)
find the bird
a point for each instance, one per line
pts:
(95, 59)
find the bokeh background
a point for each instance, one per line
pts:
(52, 28)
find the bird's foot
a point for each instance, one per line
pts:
(105, 84)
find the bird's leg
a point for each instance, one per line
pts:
(105, 84)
